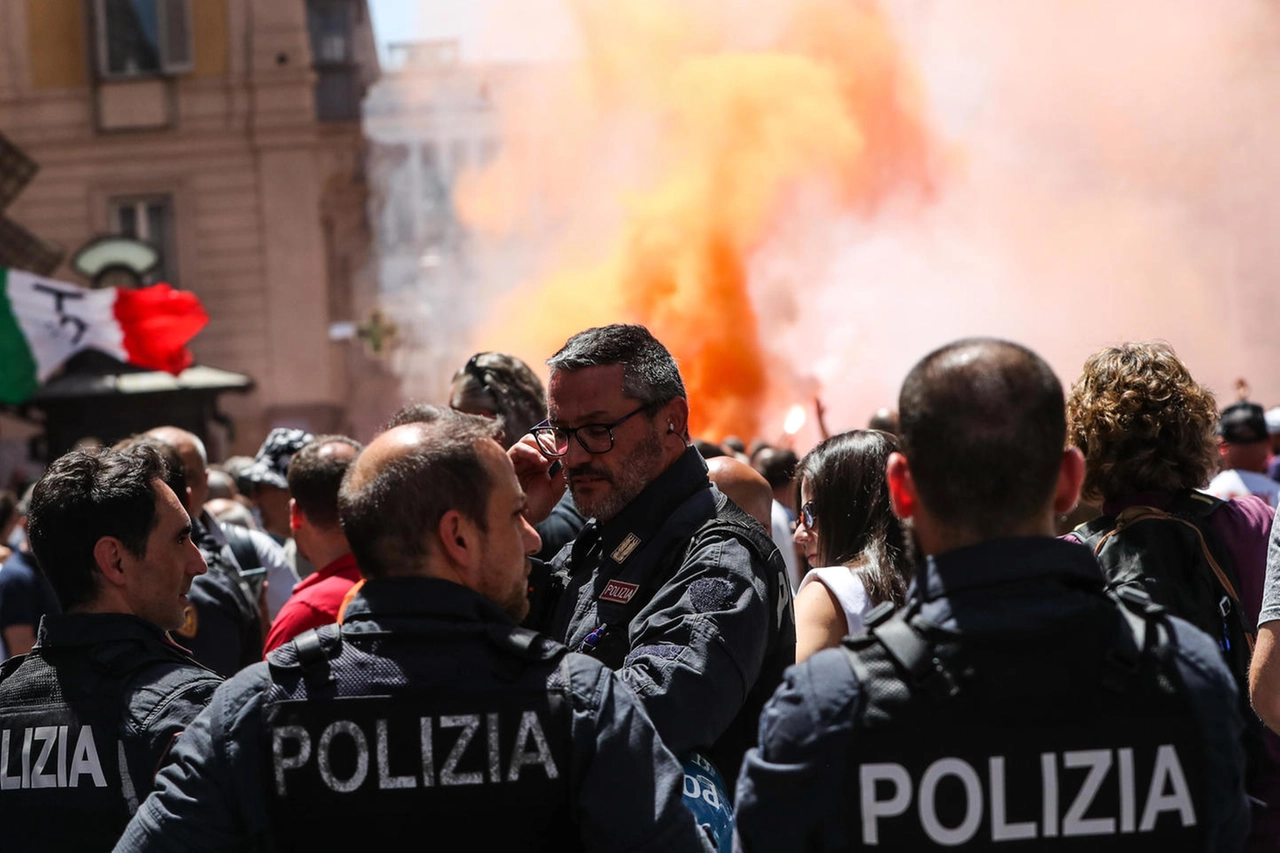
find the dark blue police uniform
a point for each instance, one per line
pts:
(85, 720)
(428, 714)
(687, 597)
(1012, 705)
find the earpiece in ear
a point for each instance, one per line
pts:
(671, 428)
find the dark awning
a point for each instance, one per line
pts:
(195, 378)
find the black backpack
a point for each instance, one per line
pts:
(1175, 558)
(251, 570)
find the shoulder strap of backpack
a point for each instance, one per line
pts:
(1137, 638)
(1089, 532)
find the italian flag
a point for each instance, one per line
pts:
(44, 322)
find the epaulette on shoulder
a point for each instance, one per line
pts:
(734, 521)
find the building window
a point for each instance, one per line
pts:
(339, 87)
(143, 38)
(331, 31)
(149, 218)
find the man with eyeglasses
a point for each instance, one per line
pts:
(669, 583)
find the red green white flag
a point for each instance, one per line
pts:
(44, 322)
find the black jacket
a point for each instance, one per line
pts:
(1036, 721)
(441, 690)
(95, 689)
(687, 597)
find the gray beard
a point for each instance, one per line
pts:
(637, 472)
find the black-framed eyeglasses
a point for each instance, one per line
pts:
(807, 516)
(594, 438)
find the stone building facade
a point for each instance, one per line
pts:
(226, 132)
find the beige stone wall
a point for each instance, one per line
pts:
(269, 203)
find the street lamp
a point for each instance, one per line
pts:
(115, 261)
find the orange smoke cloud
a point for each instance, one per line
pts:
(671, 154)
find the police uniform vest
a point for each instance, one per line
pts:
(707, 514)
(64, 770)
(1077, 740)
(487, 767)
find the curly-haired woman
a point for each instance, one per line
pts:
(1146, 429)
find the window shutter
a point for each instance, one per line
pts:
(176, 52)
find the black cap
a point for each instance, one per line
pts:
(271, 466)
(1243, 423)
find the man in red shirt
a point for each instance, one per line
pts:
(315, 475)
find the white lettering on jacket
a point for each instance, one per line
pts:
(887, 790)
(292, 749)
(40, 754)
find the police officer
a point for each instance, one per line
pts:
(1011, 704)
(429, 713)
(88, 715)
(670, 583)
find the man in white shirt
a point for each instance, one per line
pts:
(1244, 446)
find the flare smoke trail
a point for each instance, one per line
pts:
(703, 134)
(805, 197)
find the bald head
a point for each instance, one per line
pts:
(744, 485)
(885, 420)
(402, 484)
(195, 462)
(983, 427)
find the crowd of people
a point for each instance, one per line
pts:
(543, 618)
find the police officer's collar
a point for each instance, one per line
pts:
(385, 598)
(647, 512)
(87, 629)
(999, 561)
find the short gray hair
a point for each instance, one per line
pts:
(649, 373)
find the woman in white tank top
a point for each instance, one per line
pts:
(849, 536)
